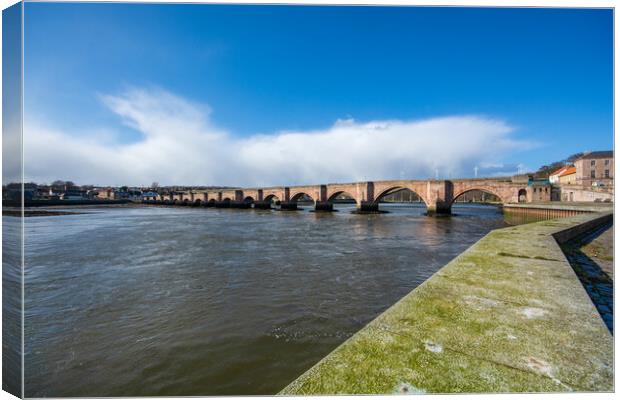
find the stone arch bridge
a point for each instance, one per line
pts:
(438, 195)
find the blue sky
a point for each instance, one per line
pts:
(11, 99)
(251, 71)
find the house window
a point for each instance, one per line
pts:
(606, 162)
(593, 162)
(606, 173)
(592, 174)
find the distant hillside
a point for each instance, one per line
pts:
(546, 170)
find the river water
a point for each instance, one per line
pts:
(194, 301)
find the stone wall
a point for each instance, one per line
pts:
(584, 170)
(570, 193)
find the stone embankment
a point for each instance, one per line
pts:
(591, 255)
(577, 207)
(507, 315)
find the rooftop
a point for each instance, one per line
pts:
(560, 170)
(569, 171)
(538, 182)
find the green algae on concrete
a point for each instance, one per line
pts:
(507, 315)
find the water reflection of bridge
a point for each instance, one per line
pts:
(437, 195)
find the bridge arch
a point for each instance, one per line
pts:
(398, 188)
(295, 197)
(248, 200)
(272, 197)
(481, 189)
(186, 202)
(332, 196)
(197, 202)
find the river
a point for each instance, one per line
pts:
(194, 301)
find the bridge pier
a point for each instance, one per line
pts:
(439, 208)
(323, 206)
(368, 207)
(262, 205)
(240, 204)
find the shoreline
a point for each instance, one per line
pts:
(51, 209)
(37, 213)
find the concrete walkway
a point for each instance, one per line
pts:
(507, 315)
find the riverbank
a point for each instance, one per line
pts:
(601, 250)
(58, 210)
(62, 203)
(36, 213)
(507, 315)
(591, 256)
(565, 206)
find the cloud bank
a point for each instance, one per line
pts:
(180, 145)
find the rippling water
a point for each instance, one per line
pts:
(194, 301)
(11, 305)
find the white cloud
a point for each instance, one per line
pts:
(180, 145)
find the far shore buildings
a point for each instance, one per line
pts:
(111, 193)
(568, 176)
(105, 193)
(563, 175)
(591, 178)
(595, 168)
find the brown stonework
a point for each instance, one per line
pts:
(438, 195)
(597, 163)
